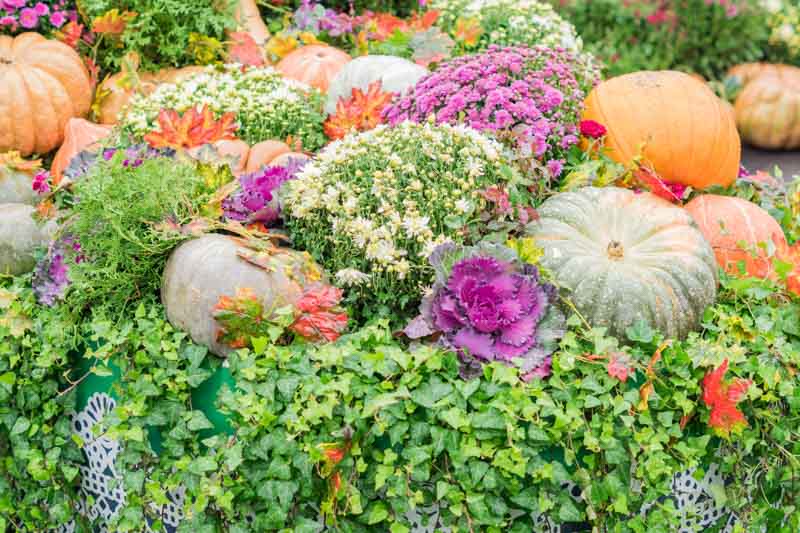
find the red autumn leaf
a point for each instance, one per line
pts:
(70, 34)
(240, 318)
(336, 482)
(619, 366)
(722, 398)
(385, 24)
(791, 255)
(194, 128)
(361, 112)
(320, 318)
(245, 50)
(672, 192)
(112, 22)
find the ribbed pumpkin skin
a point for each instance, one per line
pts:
(202, 270)
(315, 65)
(264, 153)
(689, 134)
(79, 135)
(624, 257)
(395, 73)
(747, 72)
(726, 221)
(43, 83)
(768, 109)
(20, 235)
(15, 187)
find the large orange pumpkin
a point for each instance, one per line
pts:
(726, 222)
(43, 83)
(747, 72)
(768, 109)
(685, 133)
(79, 135)
(114, 95)
(314, 65)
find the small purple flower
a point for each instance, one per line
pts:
(57, 19)
(555, 166)
(28, 18)
(51, 276)
(41, 9)
(8, 20)
(15, 3)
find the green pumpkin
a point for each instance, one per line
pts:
(20, 236)
(623, 258)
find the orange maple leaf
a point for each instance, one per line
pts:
(791, 255)
(468, 31)
(422, 23)
(722, 398)
(320, 317)
(245, 50)
(112, 22)
(70, 34)
(194, 128)
(385, 24)
(361, 112)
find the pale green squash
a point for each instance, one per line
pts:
(623, 257)
(20, 236)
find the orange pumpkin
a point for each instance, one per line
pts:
(768, 109)
(43, 83)
(726, 222)
(79, 135)
(114, 94)
(314, 65)
(264, 153)
(249, 20)
(683, 131)
(747, 72)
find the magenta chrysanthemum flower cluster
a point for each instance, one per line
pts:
(527, 96)
(25, 15)
(256, 200)
(489, 306)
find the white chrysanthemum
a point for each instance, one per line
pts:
(351, 276)
(415, 225)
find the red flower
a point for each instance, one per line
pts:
(592, 129)
(619, 366)
(722, 398)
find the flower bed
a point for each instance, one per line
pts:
(510, 308)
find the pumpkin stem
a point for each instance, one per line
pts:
(615, 250)
(5, 61)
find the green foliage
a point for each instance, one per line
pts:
(160, 32)
(114, 220)
(688, 35)
(38, 458)
(399, 428)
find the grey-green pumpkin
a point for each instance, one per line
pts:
(201, 271)
(15, 186)
(624, 258)
(20, 236)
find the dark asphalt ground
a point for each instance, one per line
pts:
(754, 159)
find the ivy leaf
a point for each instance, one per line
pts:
(198, 421)
(377, 513)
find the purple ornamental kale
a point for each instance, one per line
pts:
(51, 276)
(256, 200)
(491, 308)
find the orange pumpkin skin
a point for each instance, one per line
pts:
(79, 135)
(114, 103)
(264, 153)
(768, 109)
(249, 20)
(687, 133)
(726, 221)
(314, 65)
(235, 148)
(747, 72)
(43, 83)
